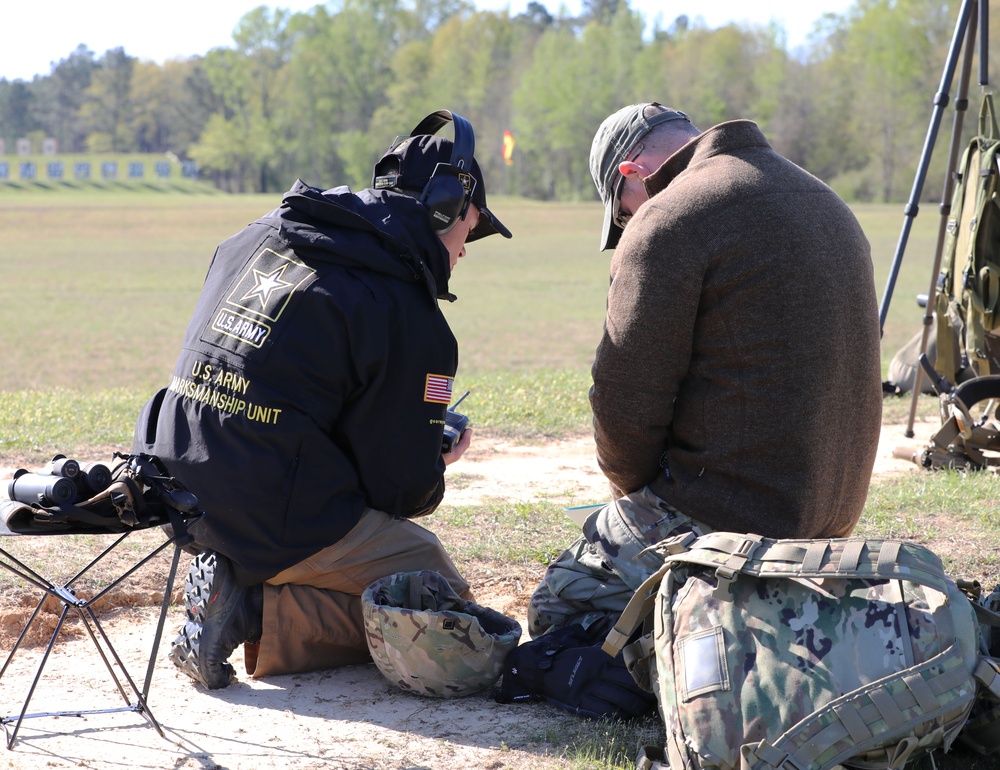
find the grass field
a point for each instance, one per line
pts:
(98, 289)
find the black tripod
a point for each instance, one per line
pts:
(965, 31)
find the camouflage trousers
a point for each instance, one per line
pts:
(595, 577)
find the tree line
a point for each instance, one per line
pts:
(319, 95)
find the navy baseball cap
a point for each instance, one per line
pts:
(409, 165)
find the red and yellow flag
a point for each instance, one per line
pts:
(508, 148)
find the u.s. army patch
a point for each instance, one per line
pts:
(254, 304)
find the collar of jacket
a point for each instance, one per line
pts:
(329, 223)
(727, 137)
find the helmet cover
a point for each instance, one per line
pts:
(426, 639)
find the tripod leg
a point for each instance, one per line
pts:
(961, 105)
(984, 42)
(940, 101)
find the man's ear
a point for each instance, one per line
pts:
(629, 167)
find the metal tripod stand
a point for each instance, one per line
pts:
(965, 34)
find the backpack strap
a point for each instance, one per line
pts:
(640, 606)
(949, 339)
(988, 119)
(982, 731)
(987, 673)
(980, 315)
(740, 550)
(989, 286)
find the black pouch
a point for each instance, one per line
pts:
(567, 668)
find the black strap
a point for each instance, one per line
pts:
(464, 146)
(978, 389)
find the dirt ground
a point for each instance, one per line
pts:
(349, 718)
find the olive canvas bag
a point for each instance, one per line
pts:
(967, 304)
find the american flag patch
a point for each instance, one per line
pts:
(438, 389)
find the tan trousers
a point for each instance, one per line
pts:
(312, 610)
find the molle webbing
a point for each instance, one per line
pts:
(732, 554)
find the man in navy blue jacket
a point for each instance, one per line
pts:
(307, 406)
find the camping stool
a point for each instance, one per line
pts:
(136, 700)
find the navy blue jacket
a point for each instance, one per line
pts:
(313, 380)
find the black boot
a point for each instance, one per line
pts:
(220, 616)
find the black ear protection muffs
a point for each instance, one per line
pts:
(449, 190)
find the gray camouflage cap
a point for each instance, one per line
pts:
(426, 639)
(614, 142)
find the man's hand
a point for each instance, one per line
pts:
(459, 448)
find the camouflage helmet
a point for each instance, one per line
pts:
(426, 639)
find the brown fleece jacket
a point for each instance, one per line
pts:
(739, 372)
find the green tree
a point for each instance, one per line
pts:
(712, 74)
(545, 103)
(554, 126)
(167, 115)
(243, 146)
(818, 119)
(601, 11)
(106, 111)
(342, 72)
(320, 94)
(57, 99)
(16, 102)
(225, 153)
(465, 68)
(535, 15)
(888, 45)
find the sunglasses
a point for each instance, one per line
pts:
(617, 216)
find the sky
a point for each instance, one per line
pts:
(40, 33)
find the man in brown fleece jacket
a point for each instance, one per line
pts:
(737, 386)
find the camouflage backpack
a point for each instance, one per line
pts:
(804, 654)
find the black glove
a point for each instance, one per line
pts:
(565, 668)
